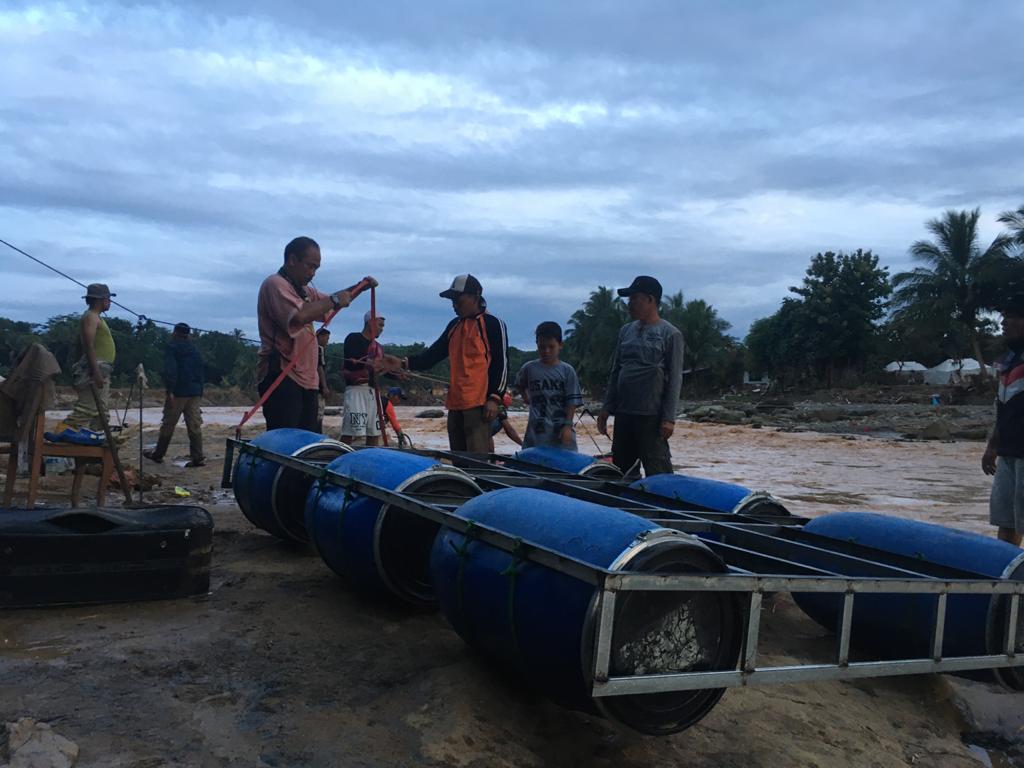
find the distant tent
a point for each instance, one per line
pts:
(904, 366)
(949, 370)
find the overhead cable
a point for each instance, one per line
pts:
(141, 318)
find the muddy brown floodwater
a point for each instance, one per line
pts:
(281, 664)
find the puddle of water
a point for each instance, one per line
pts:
(989, 756)
(991, 722)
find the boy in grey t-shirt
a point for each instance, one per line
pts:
(552, 390)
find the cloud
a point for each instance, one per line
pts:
(172, 150)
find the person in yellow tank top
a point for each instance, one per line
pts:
(92, 370)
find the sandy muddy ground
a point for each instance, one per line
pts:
(282, 665)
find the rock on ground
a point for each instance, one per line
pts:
(32, 744)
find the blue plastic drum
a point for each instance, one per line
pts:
(713, 495)
(378, 547)
(900, 625)
(273, 497)
(570, 462)
(540, 623)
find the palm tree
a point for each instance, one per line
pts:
(703, 330)
(592, 337)
(1015, 226)
(958, 281)
(1015, 221)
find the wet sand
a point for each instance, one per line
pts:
(282, 664)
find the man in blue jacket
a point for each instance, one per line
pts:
(183, 379)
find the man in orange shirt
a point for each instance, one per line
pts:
(476, 345)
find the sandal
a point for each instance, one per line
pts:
(200, 463)
(150, 454)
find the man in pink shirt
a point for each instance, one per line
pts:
(286, 309)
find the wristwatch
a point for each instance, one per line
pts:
(335, 301)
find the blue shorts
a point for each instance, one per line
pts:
(1006, 507)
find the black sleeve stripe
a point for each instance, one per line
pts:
(497, 333)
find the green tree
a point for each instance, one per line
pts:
(138, 343)
(14, 337)
(708, 348)
(703, 330)
(832, 325)
(906, 338)
(780, 344)
(227, 359)
(843, 301)
(1014, 220)
(958, 279)
(60, 335)
(592, 336)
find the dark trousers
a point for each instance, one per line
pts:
(639, 437)
(469, 430)
(174, 409)
(290, 405)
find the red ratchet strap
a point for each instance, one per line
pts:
(354, 291)
(371, 354)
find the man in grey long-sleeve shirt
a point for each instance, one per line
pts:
(643, 388)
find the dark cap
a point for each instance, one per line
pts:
(97, 291)
(643, 284)
(396, 392)
(463, 284)
(323, 331)
(182, 329)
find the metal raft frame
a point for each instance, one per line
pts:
(492, 471)
(941, 583)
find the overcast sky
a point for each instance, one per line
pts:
(546, 147)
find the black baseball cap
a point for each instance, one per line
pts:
(323, 331)
(182, 329)
(643, 284)
(463, 284)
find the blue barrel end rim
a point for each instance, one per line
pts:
(660, 714)
(1011, 678)
(602, 470)
(761, 504)
(293, 527)
(551, 457)
(403, 561)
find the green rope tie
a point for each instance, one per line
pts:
(345, 501)
(341, 515)
(320, 482)
(512, 571)
(462, 551)
(252, 476)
